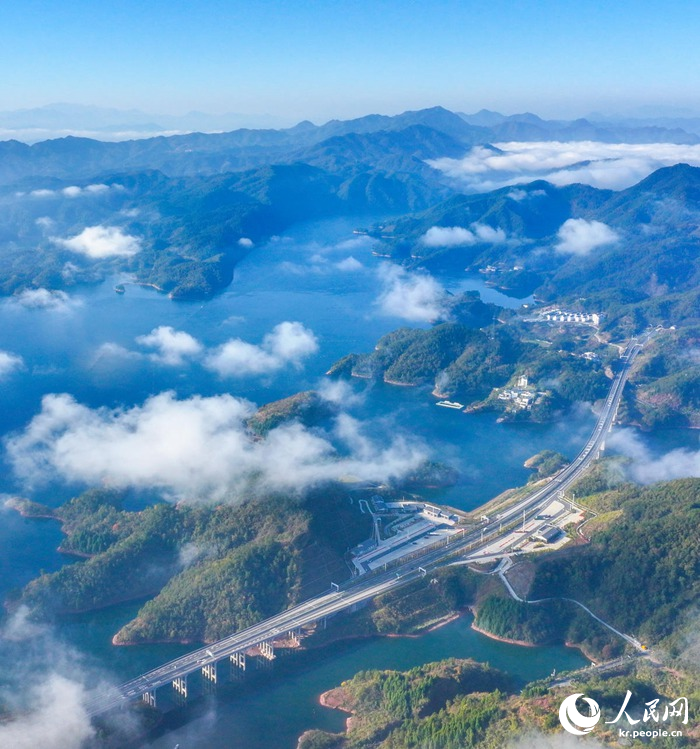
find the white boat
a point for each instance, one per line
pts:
(450, 404)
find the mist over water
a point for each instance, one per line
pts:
(102, 349)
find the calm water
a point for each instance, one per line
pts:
(295, 278)
(275, 714)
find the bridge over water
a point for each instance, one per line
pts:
(235, 649)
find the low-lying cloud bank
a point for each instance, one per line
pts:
(287, 343)
(100, 242)
(197, 448)
(604, 165)
(72, 191)
(46, 299)
(577, 236)
(417, 297)
(645, 468)
(458, 236)
(171, 346)
(48, 688)
(58, 719)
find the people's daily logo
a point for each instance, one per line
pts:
(571, 718)
(579, 724)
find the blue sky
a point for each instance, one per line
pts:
(335, 58)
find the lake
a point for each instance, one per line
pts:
(305, 276)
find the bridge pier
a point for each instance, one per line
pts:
(295, 636)
(209, 672)
(267, 650)
(149, 697)
(180, 686)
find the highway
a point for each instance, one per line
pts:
(368, 586)
(532, 503)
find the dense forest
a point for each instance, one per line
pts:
(458, 704)
(458, 361)
(308, 408)
(650, 587)
(206, 570)
(666, 382)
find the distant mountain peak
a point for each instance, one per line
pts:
(484, 118)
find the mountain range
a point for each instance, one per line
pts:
(633, 253)
(441, 133)
(60, 119)
(197, 203)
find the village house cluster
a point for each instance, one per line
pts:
(560, 315)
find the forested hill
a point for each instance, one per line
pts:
(640, 572)
(192, 205)
(459, 361)
(206, 570)
(633, 254)
(185, 234)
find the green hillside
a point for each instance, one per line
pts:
(206, 570)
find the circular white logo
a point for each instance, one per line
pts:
(571, 718)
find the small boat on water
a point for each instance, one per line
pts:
(450, 404)
(120, 288)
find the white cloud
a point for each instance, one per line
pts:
(447, 236)
(46, 299)
(172, 346)
(58, 719)
(287, 343)
(9, 363)
(605, 165)
(47, 704)
(349, 265)
(101, 241)
(112, 350)
(19, 627)
(72, 191)
(517, 195)
(486, 233)
(358, 243)
(413, 296)
(319, 264)
(339, 392)
(458, 236)
(100, 188)
(645, 468)
(245, 242)
(45, 222)
(195, 448)
(577, 236)
(69, 270)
